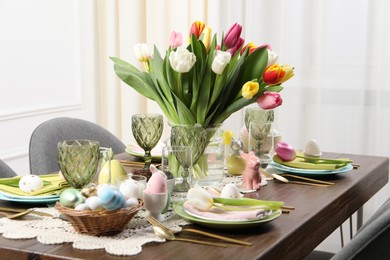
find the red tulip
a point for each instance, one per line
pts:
(269, 100)
(197, 28)
(233, 50)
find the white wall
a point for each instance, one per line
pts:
(47, 69)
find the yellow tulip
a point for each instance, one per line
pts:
(250, 89)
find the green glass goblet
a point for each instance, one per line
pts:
(194, 137)
(78, 161)
(147, 130)
(257, 115)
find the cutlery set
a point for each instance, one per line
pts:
(13, 213)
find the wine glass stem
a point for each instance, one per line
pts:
(148, 160)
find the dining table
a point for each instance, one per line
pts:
(318, 211)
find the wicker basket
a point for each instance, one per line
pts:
(99, 223)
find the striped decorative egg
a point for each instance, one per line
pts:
(111, 198)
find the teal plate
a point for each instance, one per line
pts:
(31, 199)
(224, 224)
(312, 173)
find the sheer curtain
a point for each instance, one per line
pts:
(340, 94)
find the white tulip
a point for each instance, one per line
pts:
(221, 60)
(182, 60)
(199, 198)
(272, 57)
(141, 52)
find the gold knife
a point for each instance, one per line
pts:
(39, 213)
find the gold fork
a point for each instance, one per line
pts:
(155, 222)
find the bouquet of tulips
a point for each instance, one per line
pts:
(206, 81)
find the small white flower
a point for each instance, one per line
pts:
(272, 57)
(182, 60)
(221, 60)
(141, 52)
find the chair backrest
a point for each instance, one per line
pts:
(44, 140)
(372, 241)
(6, 171)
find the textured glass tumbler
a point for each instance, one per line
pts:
(147, 130)
(178, 161)
(258, 137)
(78, 161)
(194, 137)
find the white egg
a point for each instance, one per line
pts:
(94, 203)
(130, 189)
(230, 191)
(131, 202)
(30, 183)
(81, 206)
(312, 149)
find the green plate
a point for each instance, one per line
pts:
(179, 209)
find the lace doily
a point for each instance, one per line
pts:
(49, 230)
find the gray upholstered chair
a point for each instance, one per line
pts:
(372, 241)
(6, 171)
(43, 142)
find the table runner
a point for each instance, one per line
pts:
(49, 230)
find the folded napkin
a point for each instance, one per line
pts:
(302, 163)
(53, 184)
(220, 214)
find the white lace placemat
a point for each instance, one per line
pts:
(49, 230)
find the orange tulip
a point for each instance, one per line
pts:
(276, 74)
(197, 28)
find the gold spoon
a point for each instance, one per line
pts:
(282, 179)
(17, 215)
(170, 236)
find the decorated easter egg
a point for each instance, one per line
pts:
(131, 202)
(81, 206)
(30, 183)
(71, 197)
(111, 198)
(93, 203)
(130, 189)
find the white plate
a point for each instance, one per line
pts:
(307, 172)
(138, 152)
(224, 220)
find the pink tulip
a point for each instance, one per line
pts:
(285, 151)
(269, 100)
(238, 45)
(175, 39)
(232, 36)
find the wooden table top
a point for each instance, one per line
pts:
(318, 212)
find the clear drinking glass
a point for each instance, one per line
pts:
(78, 161)
(178, 161)
(147, 130)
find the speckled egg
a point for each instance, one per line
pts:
(71, 197)
(30, 183)
(111, 198)
(231, 191)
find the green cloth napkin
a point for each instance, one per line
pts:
(301, 163)
(53, 184)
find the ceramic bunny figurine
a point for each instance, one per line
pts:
(251, 177)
